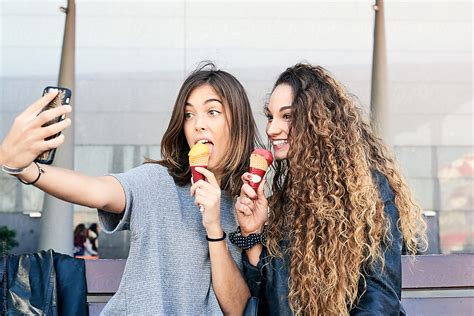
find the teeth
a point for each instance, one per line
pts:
(280, 142)
(203, 141)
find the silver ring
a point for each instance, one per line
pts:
(201, 208)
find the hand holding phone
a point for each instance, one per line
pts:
(63, 98)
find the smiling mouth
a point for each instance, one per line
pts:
(279, 142)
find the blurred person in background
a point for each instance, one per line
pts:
(82, 244)
(93, 236)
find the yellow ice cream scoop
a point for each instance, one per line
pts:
(199, 149)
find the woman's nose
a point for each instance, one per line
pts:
(273, 128)
(200, 123)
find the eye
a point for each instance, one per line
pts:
(268, 115)
(287, 116)
(214, 112)
(188, 115)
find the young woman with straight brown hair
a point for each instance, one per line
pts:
(179, 261)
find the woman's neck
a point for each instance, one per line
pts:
(218, 179)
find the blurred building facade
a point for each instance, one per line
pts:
(132, 57)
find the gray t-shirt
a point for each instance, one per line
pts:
(168, 270)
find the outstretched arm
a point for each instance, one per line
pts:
(26, 140)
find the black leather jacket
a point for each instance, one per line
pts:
(43, 283)
(269, 280)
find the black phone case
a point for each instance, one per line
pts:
(63, 98)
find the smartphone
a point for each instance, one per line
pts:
(63, 98)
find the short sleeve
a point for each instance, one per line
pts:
(132, 183)
(112, 222)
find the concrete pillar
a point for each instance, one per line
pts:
(57, 216)
(379, 101)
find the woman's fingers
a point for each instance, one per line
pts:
(26, 138)
(208, 174)
(205, 194)
(248, 191)
(244, 205)
(39, 104)
(209, 187)
(51, 114)
(54, 143)
(193, 188)
(246, 201)
(54, 128)
(245, 210)
(209, 194)
(201, 184)
(261, 189)
(246, 177)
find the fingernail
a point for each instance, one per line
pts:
(53, 90)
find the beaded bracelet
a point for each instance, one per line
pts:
(247, 242)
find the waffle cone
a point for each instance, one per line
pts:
(258, 162)
(199, 160)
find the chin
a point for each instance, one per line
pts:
(212, 165)
(281, 156)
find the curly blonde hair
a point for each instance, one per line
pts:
(326, 203)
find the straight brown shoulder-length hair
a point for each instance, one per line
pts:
(243, 130)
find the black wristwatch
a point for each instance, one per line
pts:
(247, 242)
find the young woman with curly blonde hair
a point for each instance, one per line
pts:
(340, 210)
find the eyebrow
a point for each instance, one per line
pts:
(283, 108)
(205, 102)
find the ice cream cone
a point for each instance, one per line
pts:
(260, 160)
(198, 157)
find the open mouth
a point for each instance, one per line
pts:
(204, 141)
(207, 143)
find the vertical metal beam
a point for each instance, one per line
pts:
(379, 101)
(57, 217)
